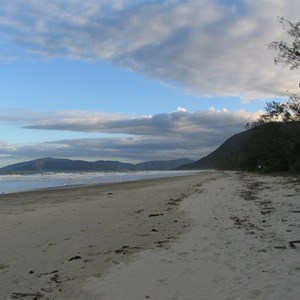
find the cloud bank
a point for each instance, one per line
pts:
(130, 138)
(207, 47)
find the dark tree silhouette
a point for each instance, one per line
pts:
(279, 112)
(289, 53)
(273, 140)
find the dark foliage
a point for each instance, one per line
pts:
(226, 150)
(272, 143)
(271, 147)
(279, 112)
(289, 54)
(275, 142)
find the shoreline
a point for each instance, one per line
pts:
(217, 235)
(103, 186)
(149, 176)
(81, 232)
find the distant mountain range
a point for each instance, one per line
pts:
(67, 165)
(271, 147)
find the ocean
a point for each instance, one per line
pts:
(19, 183)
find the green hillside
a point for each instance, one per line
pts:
(163, 165)
(212, 160)
(271, 147)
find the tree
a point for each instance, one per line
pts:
(274, 146)
(279, 112)
(289, 54)
(274, 142)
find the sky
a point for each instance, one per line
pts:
(136, 80)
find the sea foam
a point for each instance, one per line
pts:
(18, 183)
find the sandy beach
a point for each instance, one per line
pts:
(214, 235)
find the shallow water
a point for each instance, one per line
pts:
(18, 183)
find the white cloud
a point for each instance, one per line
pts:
(181, 109)
(162, 136)
(208, 47)
(164, 124)
(5, 148)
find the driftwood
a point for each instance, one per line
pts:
(37, 295)
(125, 249)
(48, 273)
(279, 247)
(75, 257)
(155, 215)
(292, 243)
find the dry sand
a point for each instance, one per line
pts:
(216, 235)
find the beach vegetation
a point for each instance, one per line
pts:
(288, 53)
(274, 140)
(279, 112)
(274, 144)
